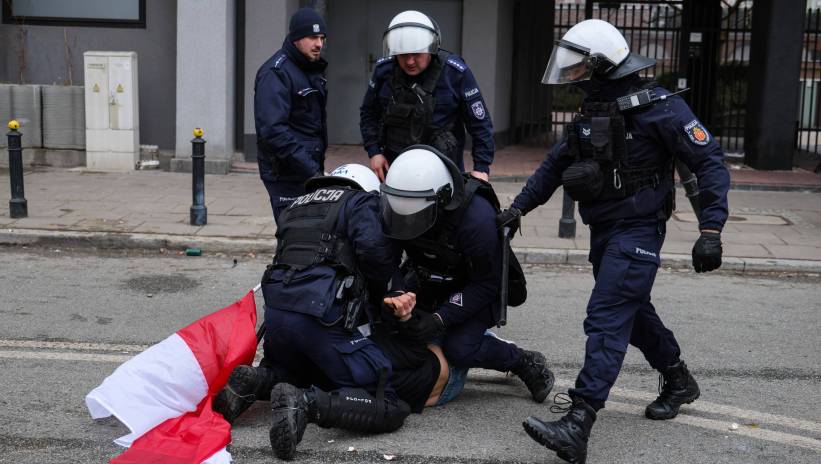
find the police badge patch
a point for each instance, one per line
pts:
(478, 110)
(456, 299)
(697, 133)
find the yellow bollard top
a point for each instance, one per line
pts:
(14, 125)
(198, 132)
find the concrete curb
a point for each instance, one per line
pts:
(741, 265)
(535, 256)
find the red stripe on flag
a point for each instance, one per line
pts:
(190, 438)
(223, 340)
(220, 342)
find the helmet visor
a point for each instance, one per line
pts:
(407, 215)
(409, 38)
(568, 63)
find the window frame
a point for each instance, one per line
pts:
(9, 18)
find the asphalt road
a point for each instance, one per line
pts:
(68, 319)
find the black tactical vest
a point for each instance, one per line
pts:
(440, 269)
(408, 117)
(596, 140)
(307, 235)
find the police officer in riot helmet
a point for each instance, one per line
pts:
(332, 266)
(421, 94)
(616, 160)
(445, 222)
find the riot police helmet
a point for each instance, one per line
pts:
(592, 48)
(420, 183)
(352, 175)
(411, 32)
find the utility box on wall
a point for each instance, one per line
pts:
(112, 111)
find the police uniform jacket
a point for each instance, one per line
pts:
(289, 113)
(654, 134)
(477, 239)
(459, 106)
(374, 254)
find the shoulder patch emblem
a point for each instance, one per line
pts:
(478, 109)
(456, 299)
(471, 92)
(697, 133)
(457, 64)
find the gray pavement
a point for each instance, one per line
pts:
(70, 318)
(767, 230)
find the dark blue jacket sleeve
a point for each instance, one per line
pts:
(704, 158)
(476, 116)
(272, 109)
(374, 251)
(547, 178)
(479, 241)
(370, 115)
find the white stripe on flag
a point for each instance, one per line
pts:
(162, 382)
(220, 457)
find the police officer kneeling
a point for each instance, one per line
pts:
(617, 162)
(331, 255)
(445, 222)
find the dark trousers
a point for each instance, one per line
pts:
(625, 258)
(328, 357)
(466, 345)
(282, 194)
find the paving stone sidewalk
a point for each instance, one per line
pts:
(768, 230)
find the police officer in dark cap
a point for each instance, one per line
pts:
(420, 94)
(617, 161)
(289, 111)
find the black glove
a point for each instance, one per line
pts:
(707, 252)
(511, 218)
(422, 327)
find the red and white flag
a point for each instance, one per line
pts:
(163, 395)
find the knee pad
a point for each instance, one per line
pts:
(356, 409)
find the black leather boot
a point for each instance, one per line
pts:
(676, 387)
(245, 385)
(291, 410)
(568, 435)
(345, 408)
(532, 369)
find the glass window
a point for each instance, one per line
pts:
(106, 13)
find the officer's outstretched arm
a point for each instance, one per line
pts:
(272, 109)
(374, 251)
(547, 178)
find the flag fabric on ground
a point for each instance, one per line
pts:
(163, 395)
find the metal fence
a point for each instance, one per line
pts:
(652, 29)
(809, 120)
(656, 29)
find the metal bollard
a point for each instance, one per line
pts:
(567, 224)
(199, 213)
(18, 208)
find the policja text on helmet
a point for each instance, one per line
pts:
(352, 174)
